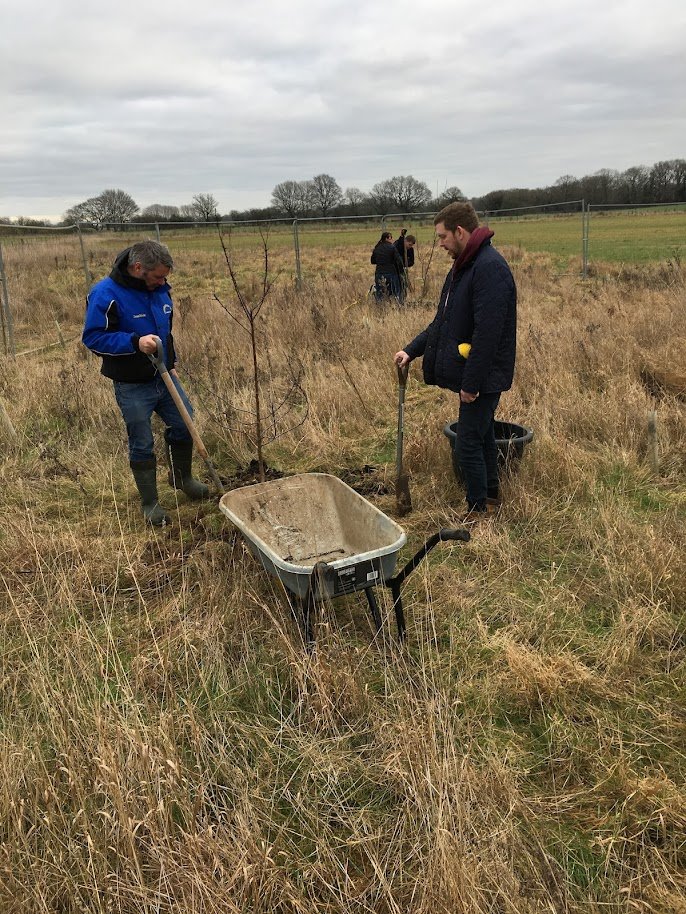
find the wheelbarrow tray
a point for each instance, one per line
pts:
(294, 523)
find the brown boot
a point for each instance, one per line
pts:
(477, 515)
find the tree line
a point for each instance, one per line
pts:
(664, 182)
(322, 195)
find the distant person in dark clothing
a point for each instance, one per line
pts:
(389, 268)
(405, 248)
(470, 347)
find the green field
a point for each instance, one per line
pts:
(630, 236)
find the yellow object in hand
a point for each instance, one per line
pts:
(464, 349)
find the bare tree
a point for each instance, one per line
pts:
(449, 195)
(425, 266)
(325, 193)
(250, 305)
(667, 181)
(404, 193)
(89, 211)
(292, 198)
(355, 198)
(204, 208)
(119, 206)
(599, 188)
(566, 188)
(160, 211)
(634, 184)
(109, 207)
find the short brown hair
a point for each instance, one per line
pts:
(454, 214)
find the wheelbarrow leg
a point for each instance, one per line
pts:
(398, 608)
(309, 609)
(308, 603)
(303, 612)
(373, 607)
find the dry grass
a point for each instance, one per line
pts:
(165, 743)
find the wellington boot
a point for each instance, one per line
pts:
(180, 455)
(145, 474)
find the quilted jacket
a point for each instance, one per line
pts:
(478, 305)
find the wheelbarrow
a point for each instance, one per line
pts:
(322, 539)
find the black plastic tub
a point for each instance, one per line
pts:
(510, 438)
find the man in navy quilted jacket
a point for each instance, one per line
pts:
(125, 314)
(469, 347)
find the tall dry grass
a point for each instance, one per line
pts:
(165, 743)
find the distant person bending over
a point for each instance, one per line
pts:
(124, 314)
(389, 267)
(405, 248)
(478, 306)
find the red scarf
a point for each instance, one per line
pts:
(476, 239)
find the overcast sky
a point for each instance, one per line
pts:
(171, 99)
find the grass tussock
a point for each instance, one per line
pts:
(166, 745)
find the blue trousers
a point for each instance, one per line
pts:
(476, 450)
(138, 402)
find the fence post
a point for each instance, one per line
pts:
(296, 243)
(86, 271)
(584, 239)
(157, 230)
(7, 326)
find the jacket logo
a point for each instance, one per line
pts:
(138, 316)
(167, 309)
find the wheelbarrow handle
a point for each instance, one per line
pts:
(394, 583)
(460, 534)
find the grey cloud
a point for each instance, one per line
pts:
(224, 99)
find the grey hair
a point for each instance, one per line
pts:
(150, 254)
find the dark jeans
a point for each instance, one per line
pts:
(404, 284)
(476, 450)
(386, 284)
(138, 402)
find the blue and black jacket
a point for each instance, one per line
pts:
(478, 305)
(120, 310)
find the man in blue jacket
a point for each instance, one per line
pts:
(125, 314)
(478, 307)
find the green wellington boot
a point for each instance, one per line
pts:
(180, 455)
(145, 474)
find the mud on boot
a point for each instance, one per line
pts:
(145, 474)
(180, 455)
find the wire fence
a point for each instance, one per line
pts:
(572, 231)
